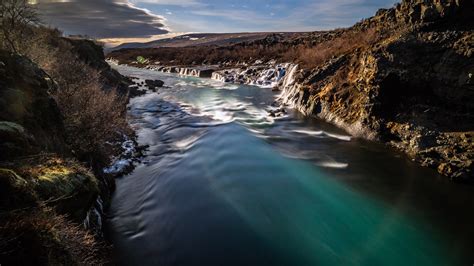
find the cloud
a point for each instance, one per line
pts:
(101, 18)
(181, 3)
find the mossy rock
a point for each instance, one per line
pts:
(30, 118)
(15, 192)
(63, 184)
(15, 140)
(66, 185)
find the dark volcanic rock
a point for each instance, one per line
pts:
(153, 84)
(93, 54)
(134, 91)
(412, 88)
(30, 121)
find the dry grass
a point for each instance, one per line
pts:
(309, 53)
(42, 237)
(312, 56)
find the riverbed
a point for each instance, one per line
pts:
(225, 183)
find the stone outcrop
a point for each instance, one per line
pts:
(413, 89)
(93, 55)
(37, 203)
(45, 194)
(30, 121)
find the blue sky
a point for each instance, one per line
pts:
(116, 21)
(262, 15)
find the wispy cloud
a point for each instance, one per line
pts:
(101, 18)
(182, 3)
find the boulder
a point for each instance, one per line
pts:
(153, 84)
(30, 120)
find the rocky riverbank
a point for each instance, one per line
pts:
(52, 200)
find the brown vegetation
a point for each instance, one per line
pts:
(306, 51)
(311, 56)
(92, 115)
(16, 18)
(42, 237)
(64, 96)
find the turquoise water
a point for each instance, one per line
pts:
(223, 183)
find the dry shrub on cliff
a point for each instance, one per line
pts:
(92, 118)
(313, 56)
(42, 237)
(16, 19)
(92, 115)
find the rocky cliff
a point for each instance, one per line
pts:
(51, 204)
(30, 120)
(412, 89)
(93, 55)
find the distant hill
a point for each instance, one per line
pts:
(200, 39)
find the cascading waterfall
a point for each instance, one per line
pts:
(289, 87)
(93, 220)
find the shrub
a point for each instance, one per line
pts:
(16, 18)
(142, 60)
(39, 236)
(93, 115)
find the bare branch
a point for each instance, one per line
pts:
(16, 19)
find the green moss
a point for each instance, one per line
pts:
(142, 60)
(33, 198)
(63, 184)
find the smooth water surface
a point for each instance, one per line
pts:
(224, 183)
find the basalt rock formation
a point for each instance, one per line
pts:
(413, 88)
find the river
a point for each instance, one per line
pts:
(224, 183)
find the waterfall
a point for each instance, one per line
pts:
(93, 220)
(289, 87)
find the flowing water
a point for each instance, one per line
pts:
(223, 183)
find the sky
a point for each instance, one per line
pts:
(117, 21)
